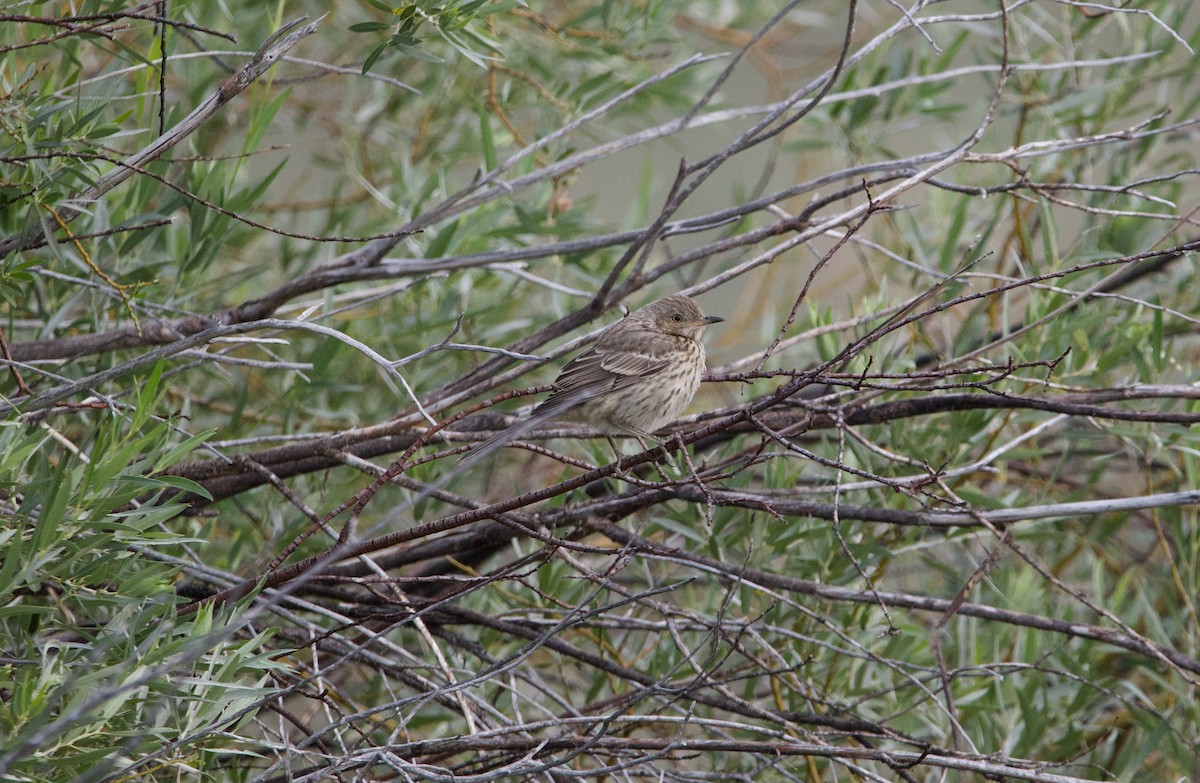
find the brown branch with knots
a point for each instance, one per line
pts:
(601, 518)
(224, 479)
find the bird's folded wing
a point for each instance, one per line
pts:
(608, 365)
(643, 354)
(583, 378)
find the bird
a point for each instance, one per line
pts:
(639, 375)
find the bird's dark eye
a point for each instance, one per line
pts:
(677, 318)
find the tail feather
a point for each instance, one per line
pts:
(542, 414)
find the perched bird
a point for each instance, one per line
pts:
(641, 373)
(638, 376)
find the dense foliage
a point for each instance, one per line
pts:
(265, 276)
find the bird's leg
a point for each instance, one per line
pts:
(642, 437)
(679, 464)
(620, 455)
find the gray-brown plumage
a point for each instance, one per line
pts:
(640, 374)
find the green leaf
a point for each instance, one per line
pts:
(154, 483)
(54, 507)
(949, 258)
(180, 449)
(417, 54)
(441, 241)
(1158, 352)
(147, 396)
(1049, 234)
(488, 140)
(374, 56)
(13, 543)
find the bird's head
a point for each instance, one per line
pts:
(677, 315)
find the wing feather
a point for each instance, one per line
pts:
(610, 364)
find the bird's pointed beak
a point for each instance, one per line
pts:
(712, 319)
